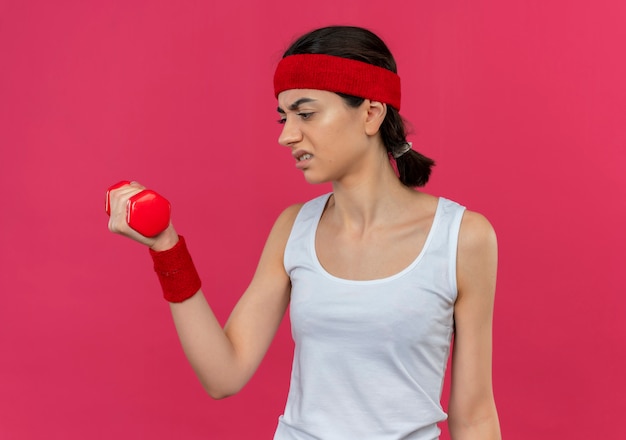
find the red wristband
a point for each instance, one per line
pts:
(176, 271)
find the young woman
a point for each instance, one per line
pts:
(379, 276)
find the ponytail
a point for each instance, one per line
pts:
(413, 167)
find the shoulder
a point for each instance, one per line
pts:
(476, 233)
(276, 243)
(477, 257)
(286, 219)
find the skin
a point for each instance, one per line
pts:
(372, 227)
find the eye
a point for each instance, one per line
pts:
(305, 115)
(282, 121)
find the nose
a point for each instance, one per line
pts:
(290, 134)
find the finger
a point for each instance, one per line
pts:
(135, 184)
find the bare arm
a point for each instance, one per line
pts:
(224, 359)
(472, 409)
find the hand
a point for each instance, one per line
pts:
(140, 214)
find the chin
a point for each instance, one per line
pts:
(315, 179)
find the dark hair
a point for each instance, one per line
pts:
(362, 45)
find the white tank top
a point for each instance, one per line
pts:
(370, 356)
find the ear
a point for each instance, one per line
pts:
(376, 112)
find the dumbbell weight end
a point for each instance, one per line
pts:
(147, 212)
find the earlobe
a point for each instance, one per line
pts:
(376, 112)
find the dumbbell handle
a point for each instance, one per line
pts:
(147, 212)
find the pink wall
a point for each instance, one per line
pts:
(523, 104)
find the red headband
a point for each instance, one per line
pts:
(339, 75)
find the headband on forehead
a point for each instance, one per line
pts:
(339, 75)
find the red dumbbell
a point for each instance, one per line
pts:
(146, 212)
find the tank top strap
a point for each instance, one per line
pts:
(444, 236)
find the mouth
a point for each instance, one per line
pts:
(301, 155)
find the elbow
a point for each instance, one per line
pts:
(486, 426)
(220, 391)
(220, 383)
(218, 394)
(474, 419)
(215, 395)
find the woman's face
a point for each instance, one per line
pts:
(327, 138)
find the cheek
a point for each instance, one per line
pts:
(338, 127)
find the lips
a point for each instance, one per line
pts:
(301, 155)
(303, 158)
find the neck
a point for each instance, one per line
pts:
(360, 203)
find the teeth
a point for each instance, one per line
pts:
(304, 157)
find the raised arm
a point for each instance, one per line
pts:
(472, 410)
(225, 359)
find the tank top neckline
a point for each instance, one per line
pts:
(318, 216)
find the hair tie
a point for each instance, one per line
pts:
(403, 150)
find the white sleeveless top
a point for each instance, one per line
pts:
(370, 356)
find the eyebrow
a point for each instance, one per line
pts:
(296, 104)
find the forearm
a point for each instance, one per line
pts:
(206, 346)
(223, 358)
